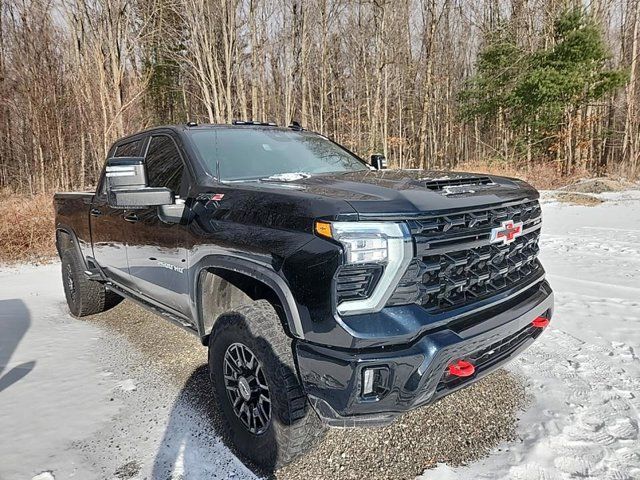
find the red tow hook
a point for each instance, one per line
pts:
(540, 322)
(461, 369)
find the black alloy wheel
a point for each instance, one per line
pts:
(266, 416)
(247, 388)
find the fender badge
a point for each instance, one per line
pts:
(170, 266)
(210, 198)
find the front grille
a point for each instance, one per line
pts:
(456, 264)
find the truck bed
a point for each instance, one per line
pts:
(73, 195)
(72, 216)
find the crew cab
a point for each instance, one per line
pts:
(328, 290)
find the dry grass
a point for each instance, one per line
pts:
(26, 228)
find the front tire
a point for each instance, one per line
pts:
(265, 411)
(84, 296)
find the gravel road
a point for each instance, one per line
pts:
(166, 359)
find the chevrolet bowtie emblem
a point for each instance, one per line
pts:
(507, 232)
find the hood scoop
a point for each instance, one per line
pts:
(440, 184)
(459, 186)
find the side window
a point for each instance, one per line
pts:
(164, 165)
(130, 149)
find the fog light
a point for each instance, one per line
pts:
(367, 388)
(375, 381)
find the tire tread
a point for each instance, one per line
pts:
(302, 427)
(91, 297)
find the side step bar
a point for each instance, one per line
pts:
(175, 319)
(93, 271)
(94, 274)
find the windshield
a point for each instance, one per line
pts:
(271, 154)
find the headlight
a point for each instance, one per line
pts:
(386, 244)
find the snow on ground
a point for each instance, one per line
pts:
(584, 372)
(69, 408)
(40, 413)
(67, 403)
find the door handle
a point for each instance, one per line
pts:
(131, 218)
(95, 212)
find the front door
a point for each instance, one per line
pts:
(109, 225)
(155, 249)
(108, 235)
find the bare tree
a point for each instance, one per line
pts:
(374, 74)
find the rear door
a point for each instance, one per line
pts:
(109, 225)
(157, 257)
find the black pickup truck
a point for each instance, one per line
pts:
(329, 291)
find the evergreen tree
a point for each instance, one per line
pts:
(163, 95)
(539, 93)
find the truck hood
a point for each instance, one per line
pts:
(384, 193)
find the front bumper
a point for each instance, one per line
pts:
(417, 372)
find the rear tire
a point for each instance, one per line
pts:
(255, 332)
(84, 296)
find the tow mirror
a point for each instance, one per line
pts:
(378, 161)
(126, 172)
(127, 185)
(140, 197)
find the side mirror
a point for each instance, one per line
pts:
(125, 172)
(378, 161)
(126, 180)
(140, 197)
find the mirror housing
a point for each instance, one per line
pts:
(132, 198)
(378, 161)
(126, 179)
(125, 172)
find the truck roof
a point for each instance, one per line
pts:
(181, 127)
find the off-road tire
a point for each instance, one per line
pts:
(84, 296)
(294, 426)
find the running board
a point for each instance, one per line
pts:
(93, 271)
(94, 274)
(153, 308)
